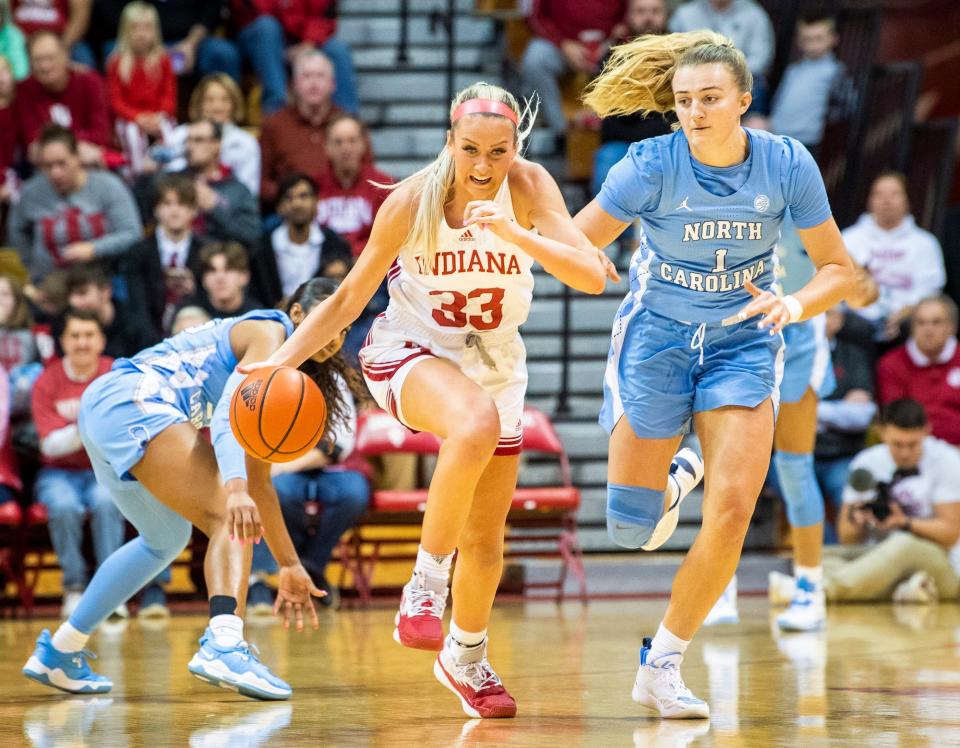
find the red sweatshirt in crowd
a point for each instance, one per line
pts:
(557, 20)
(350, 210)
(906, 372)
(41, 15)
(146, 92)
(56, 405)
(81, 106)
(312, 21)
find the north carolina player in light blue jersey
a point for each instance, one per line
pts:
(139, 424)
(698, 335)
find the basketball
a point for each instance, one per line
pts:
(278, 414)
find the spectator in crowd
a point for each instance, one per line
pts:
(66, 485)
(927, 367)
(844, 415)
(814, 90)
(68, 214)
(227, 209)
(9, 183)
(318, 476)
(905, 261)
(188, 26)
(23, 347)
(299, 248)
(259, 36)
(747, 24)
(163, 270)
(224, 277)
(68, 20)
(218, 99)
(904, 493)
(312, 24)
(141, 84)
(13, 44)
(292, 140)
(348, 198)
(189, 316)
(71, 97)
(569, 36)
(126, 328)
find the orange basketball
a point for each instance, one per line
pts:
(278, 414)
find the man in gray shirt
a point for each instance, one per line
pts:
(747, 25)
(68, 214)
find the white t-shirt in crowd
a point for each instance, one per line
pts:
(938, 481)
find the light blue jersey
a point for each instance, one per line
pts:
(184, 378)
(192, 367)
(706, 231)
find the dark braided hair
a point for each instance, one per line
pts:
(308, 295)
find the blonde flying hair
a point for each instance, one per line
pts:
(638, 77)
(224, 81)
(133, 12)
(435, 181)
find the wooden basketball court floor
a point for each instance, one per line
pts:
(878, 676)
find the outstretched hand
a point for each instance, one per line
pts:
(609, 267)
(776, 314)
(295, 592)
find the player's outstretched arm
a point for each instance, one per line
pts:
(296, 589)
(326, 320)
(560, 247)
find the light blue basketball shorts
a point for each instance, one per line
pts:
(661, 371)
(807, 364)
(120, 413)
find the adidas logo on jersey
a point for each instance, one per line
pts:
(466, 237)
(249, 394)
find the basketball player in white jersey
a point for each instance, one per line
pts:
(457, 243)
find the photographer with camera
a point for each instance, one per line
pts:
(905, 495)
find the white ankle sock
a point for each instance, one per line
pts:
(68, 639)
(467, 639)
(813, 574)
(434, 568)
(227, 630)
(667, 643)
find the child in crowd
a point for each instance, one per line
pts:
(141, 84)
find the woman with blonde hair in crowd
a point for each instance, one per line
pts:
(141, 84)
(698, 336)
(218, 99)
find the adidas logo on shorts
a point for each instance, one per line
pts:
(249, 394)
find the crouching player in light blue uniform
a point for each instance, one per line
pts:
(140, 426)
(698, 335)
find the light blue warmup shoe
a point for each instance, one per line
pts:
(67, 671)
(236, 669)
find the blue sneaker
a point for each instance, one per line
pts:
(67, 671)
(236, 669)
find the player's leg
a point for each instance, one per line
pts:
(436, 396)
(794, 441)
(195, 492)
(462, 665)
(730, 436)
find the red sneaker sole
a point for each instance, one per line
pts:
(430, 645)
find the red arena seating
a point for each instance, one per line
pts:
(539, 515)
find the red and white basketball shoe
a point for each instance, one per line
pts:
(419, 622)
(472, 679)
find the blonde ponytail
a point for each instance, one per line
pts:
(638, 77)
(435, 180)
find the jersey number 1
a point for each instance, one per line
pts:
(721, 266)
(452, 314)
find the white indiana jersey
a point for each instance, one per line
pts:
(476, 282)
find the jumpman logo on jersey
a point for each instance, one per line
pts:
(684, 206)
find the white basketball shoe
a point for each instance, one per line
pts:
(686, 471)
(660, 686)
